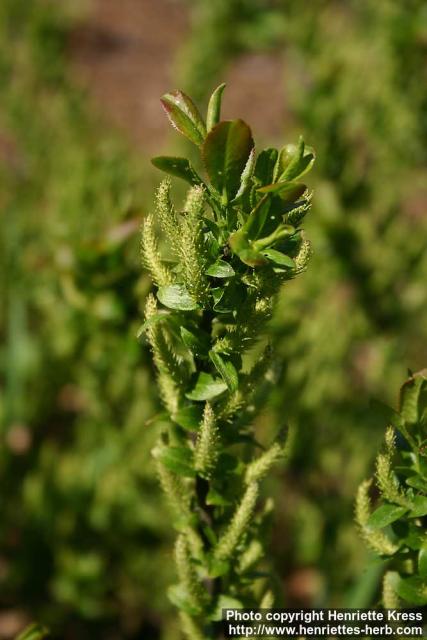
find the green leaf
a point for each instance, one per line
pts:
(417, 483)
(410, 395)
(419, 507)
(206, 388)
(278, 258)
(176, 296)
(386, 414)
(225, 602)
(240, 245)
(294, 161)
(256, 219)
(160, 316)
(225, 153)
(227, 463)
(214, 107)
(218, 568)
(189, 418)
(228, 298)
(220, 269)
(177, 459)
(179, 167)
(414, 539)
(288, 191)
(385, 515)
(264, 167)
(197, 343)
(413, 590)
(183, 117)
(180, 598)
(246, 177)
(216, 499)
(33, 632)
(422, 561)
(226, 370)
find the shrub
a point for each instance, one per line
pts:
(235, 242)
(396, 528)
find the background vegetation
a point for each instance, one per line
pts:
(84, 536)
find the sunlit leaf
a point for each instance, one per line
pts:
(385, 515)
(214, 107)
(176, 296)
(225, 153)
(178, 167)
(206, 388)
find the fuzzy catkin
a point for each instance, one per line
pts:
(230, 539)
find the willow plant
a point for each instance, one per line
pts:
(236, 240)
(396, 529)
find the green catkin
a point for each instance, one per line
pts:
(258, 468)
(169, 371)
(191, 628)
(387, 481)
(390, 599)
(160, 274)
(191, 247)
(267, 601)
(230, 539)
(187, 575)
(207, 445)
(376, 540)
(250, 556)
(175, 491)
(167, 215)
(303, 257)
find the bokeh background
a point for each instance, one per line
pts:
(85, 541)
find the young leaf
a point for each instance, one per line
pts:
(214, 107)
(293, 162)
(33, 632)
(278, 258)
(176, 296)
(410, 394)
(225, 153)
(155, 319)
(413, 590)
(218, 568)
(178, 114)
(385, 515)
(226, 370)
(225, 602)
(191, 110)
(246, 177)
(216, 499)
(182, 600)
(220, 269)
(240, 246)
(189, 417)
(178, 167)
(197, 343)
(257, 219)
(206, 388)
(419, 507)
(264, 167)
(422, 561)
(176, 459)
(288, 191)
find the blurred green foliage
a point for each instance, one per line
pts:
(84, 541)
(81, 533)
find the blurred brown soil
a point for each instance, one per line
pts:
(124, 53)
